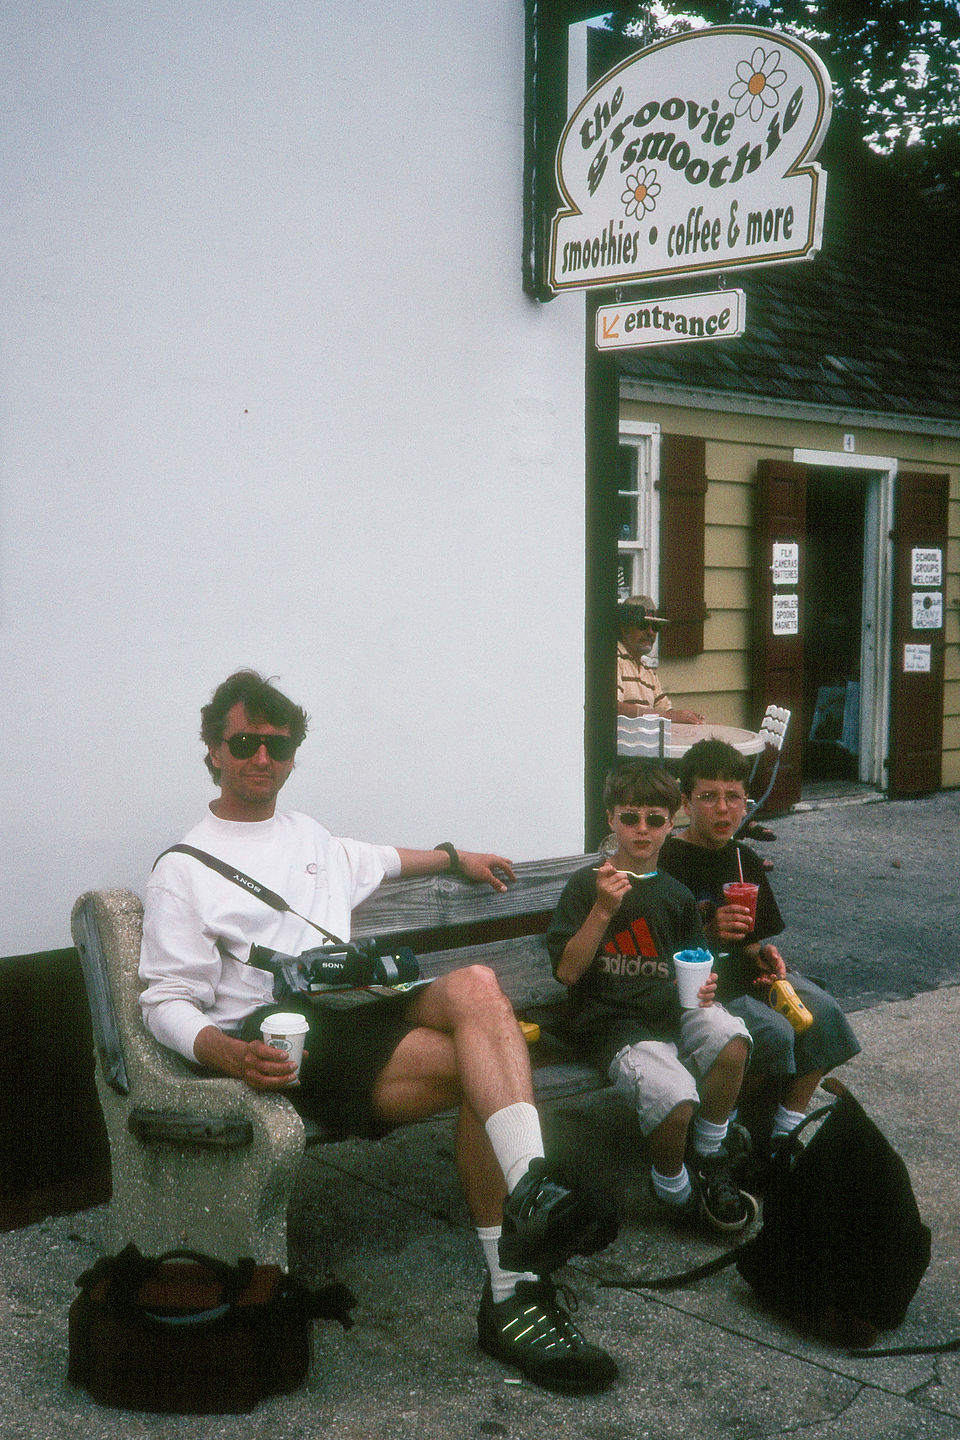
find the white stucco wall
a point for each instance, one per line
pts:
(271, 395)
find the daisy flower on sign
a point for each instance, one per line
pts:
(757, 88)
(640, 196)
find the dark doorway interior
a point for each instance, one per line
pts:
(832, 623)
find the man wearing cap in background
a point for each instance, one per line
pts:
(639, 691)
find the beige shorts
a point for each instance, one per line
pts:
(655, 1076)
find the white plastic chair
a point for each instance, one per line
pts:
(643, 735)
(773, 727)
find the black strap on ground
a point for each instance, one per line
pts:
(675, 1282)
(943, 1348)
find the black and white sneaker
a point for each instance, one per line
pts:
(544, 1223)
(533, 1332)
(723, 1205)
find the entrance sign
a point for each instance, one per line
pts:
(693, 156)
(715, 315)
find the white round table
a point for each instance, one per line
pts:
(748, 742)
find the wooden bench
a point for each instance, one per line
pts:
(202, 1161)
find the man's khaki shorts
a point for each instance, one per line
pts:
(656, 1076)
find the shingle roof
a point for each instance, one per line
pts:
(872, 323)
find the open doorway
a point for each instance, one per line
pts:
(832, 625)
(846, 601)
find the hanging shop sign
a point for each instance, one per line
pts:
(715, 315)
(691, 157)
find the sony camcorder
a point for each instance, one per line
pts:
(348, 965)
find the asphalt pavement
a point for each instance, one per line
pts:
(870, 898)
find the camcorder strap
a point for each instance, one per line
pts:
(246, 882)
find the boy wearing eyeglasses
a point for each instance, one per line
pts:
(612, 940)
(453, 1042)
(786, 1067)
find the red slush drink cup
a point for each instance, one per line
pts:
(741, 892)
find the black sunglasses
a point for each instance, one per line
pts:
(632, 817)
(245, 744)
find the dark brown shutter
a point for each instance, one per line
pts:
(781, 514)
(683, 487)
(916, 697)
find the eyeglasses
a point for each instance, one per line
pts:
(733, 798)
(245, 744)
(633, 817)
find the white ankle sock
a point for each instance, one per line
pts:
(514, 1132)
(786, 1120)
(708, 1137)
(671, 1189)
(503, 1283)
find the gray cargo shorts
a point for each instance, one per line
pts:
(655, 1076)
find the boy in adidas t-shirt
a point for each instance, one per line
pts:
(612, 940)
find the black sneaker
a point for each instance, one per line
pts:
(723, 1205)
(686, 1215)
(738, 1145)
(544, 1223)
(533, 1332)
(757, 1174)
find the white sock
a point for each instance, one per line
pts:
(708, 1137)
(671, 1189)
(503, 1283)
(786, 1120)
(514, 1132)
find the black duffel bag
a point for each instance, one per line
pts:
(188, 1334)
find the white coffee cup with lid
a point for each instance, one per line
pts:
(286, 1031)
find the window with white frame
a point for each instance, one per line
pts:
(638, 510)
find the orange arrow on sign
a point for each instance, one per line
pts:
(610, 327)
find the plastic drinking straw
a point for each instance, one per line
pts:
(739, 866)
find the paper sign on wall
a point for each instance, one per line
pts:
(786, 564)
(927, 610)
(926, 567)
(916, 659)
(786, 615)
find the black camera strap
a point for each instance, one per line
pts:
(253, 887)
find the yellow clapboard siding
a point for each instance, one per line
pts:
(728, 504)
(727, 589)
(727, 630)
(728, 546)
(713, 670)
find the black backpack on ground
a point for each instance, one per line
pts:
(188, 1334)
(842, 1248)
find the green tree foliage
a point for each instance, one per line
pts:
(895, 66)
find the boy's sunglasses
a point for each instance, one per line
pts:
(245, 744)
(632, 817)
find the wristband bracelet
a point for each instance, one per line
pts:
(450, 850)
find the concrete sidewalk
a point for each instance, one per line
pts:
(704, 1362)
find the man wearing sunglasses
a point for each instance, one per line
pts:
(453, 1042)
(639, 691)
